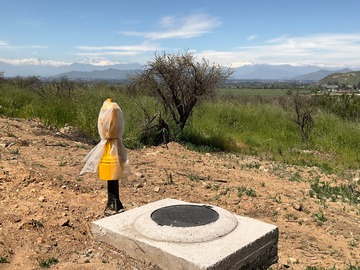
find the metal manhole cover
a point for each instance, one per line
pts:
(184, 215)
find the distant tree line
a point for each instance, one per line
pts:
(265, 84)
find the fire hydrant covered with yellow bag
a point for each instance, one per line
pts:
(109, 156)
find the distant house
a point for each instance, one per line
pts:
(343, 91)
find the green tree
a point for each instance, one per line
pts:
(179, 82)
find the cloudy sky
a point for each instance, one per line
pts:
(231, 32)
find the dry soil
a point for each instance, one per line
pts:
(46, 207)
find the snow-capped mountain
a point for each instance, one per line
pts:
(243, 71)
(100, 62)
(45, 68)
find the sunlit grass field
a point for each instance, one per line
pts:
(247, 92)
(257, 128)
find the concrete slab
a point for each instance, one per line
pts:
(231, 242)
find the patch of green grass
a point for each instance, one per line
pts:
(296, 177)
(290, 216)
(345, 193)
(320, 218)
(3, 260)
(353, 243)
(253, 165)
(194, 177)
(245, 190)
(46, 263)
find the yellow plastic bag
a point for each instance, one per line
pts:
(109, 154)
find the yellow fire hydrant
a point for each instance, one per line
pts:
(109, 157)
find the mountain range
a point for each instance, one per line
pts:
(93, 70)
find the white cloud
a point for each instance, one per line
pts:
(7, 45)
(252, 37)
(114, 51)
(3, 43)
(135, 48)
(185, 27)
(329, 49)
(109, 53)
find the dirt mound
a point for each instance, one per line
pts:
(46, 207)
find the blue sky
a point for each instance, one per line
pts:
(229, 32)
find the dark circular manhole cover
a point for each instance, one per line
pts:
(184, 215)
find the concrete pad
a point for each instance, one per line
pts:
(231, 242)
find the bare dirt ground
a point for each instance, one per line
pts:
(46, 207)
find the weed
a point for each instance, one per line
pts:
(62, 163)
(81, 146)
(290, 216)
(251, 192)
(216, 187)
(326, 168)
(296, 177)
(46, 263)
(353, 243)
(253, 165)
(15, 151)
(3, 260)
(194, 177)
(353, 267)
(317, 268)
(320, 218)
(248, 191)
(36, 224)
(347, 193)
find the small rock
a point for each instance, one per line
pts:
(40, 240)
(297, 206)
(223, 191)
(236, 201)
(64, 222)
(139, 175)
(63, 186)
(139, 185)
(42, 199)
(156, 189)
(292, 260)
